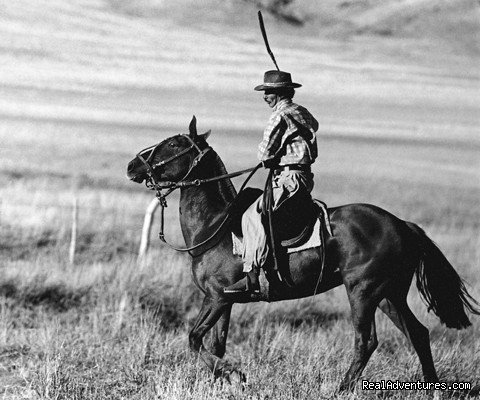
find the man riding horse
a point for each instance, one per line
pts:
(373, 253)
(289, 147)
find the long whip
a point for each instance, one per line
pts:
(265, 39)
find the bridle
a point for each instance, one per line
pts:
(153, 184)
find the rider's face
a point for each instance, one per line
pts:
(271, 98)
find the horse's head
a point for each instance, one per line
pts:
(170, 161)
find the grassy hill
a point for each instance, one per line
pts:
(169, 60)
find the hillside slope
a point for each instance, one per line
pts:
(453, 25)
(155, 63)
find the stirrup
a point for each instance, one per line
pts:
(244, 285)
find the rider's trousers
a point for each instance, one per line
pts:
(255, 248)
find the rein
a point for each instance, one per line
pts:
(153, 184)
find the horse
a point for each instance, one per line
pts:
(371, 252)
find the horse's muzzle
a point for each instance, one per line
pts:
(132, 175)
(136, 178)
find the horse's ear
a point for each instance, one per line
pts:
(206, 135)
(193, 127)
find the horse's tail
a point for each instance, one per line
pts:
(440, 286)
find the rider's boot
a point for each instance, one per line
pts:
(248, 284)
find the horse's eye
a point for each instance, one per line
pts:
(172, 144)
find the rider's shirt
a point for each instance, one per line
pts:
(290, 134)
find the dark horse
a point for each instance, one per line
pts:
(372, 252)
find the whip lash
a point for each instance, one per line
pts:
(264, 34)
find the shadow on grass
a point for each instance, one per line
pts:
(320, 318)
(91, 246)
(173, 306)
(297, 317)
(17, 245)
(54, 297)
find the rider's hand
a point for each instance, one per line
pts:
(270, 163)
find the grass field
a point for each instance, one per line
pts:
(87, 84)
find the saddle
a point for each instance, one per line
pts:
(293, 222)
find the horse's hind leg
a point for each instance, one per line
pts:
(363, 318)
(403, 318)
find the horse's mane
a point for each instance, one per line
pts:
(227, 189)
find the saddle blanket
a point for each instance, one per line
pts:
(313, 241)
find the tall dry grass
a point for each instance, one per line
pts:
(109, 328)
(116, 331)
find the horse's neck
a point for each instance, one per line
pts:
(202, 207)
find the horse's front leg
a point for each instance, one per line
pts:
(212, 310)
(218, 342)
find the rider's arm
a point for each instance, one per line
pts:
(269, 150)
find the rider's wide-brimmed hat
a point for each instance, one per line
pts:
(277, 80)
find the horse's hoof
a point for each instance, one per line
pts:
(238, 377)
(475, 391)
(346, 387)
(230, 374)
